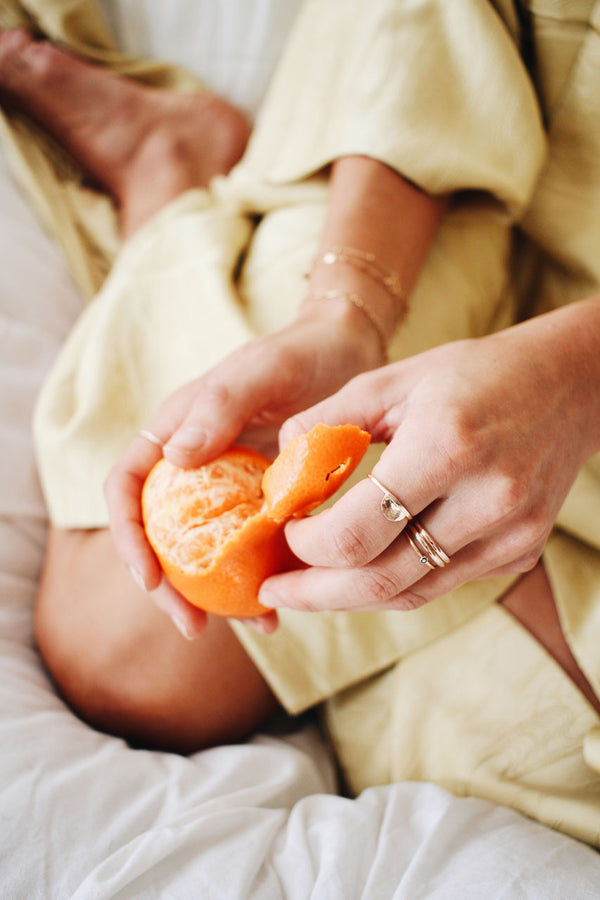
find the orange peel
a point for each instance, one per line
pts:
(217, 530)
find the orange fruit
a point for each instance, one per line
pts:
(218, 530)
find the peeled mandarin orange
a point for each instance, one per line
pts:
(218, 530)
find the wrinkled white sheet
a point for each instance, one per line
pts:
(84, 816)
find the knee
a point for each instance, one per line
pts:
(125, 670)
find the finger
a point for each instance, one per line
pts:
(403, 585)
(225, 401)
(360, 402)
(470, 565)
(372, 587)
(349, 534)
(265, 624)
(398, 579)
(402, 577)
(319, 589)
(122, 491)
(189, 620)
(357, 528)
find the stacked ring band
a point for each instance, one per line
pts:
(430, 552)
(422, 556)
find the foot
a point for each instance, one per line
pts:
(143, 145)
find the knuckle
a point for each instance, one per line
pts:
(409, 599)
(459, 445)
(532, 533)
(350, 548)
(526, 543)
(376, 587)
(524, 563)
(216, 394)
(511, 496)
(529, 561)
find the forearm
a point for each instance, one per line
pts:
(565, 347)
(375, 210)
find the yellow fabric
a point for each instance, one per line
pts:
(438, 91)
(484, 712)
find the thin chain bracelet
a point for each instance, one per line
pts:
(364, 307)
(367, 263)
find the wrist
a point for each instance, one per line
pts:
(564, 345)
(353, 332)
(349, 270)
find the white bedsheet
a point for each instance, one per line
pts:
(84, 816)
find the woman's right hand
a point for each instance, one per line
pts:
(484, 440)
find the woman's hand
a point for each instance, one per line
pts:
(372, 210)
(244, 399)
(484, 439)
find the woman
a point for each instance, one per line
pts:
(458, 674)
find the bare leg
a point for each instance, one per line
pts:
(122, 666)
(531, 602)
(144, 145)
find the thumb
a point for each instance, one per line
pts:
(219, 406)
(360, 402)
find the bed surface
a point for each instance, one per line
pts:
(85, 816)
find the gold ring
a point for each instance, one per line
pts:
(428, 549)
(422, 556)
(391, 507)
(151, 437)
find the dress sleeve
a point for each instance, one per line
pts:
(436, 90)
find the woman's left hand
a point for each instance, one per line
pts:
(244, 399)
(485, 438)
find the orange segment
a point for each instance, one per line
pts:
(218, 530)
(208, 528)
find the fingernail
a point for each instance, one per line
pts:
(182, 627)
(190, 438)
(137, 577)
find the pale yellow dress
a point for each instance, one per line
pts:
(498, 103)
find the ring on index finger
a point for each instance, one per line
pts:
(391, 507)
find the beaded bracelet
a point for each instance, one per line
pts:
(364, 307)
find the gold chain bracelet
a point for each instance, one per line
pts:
(365, 262)
(360, 303)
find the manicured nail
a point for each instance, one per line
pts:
(188, 439)
(182, 627)
(137, 577)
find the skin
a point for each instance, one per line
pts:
(251, 393)
(104, 644)
(142, 145)
(484, 439)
